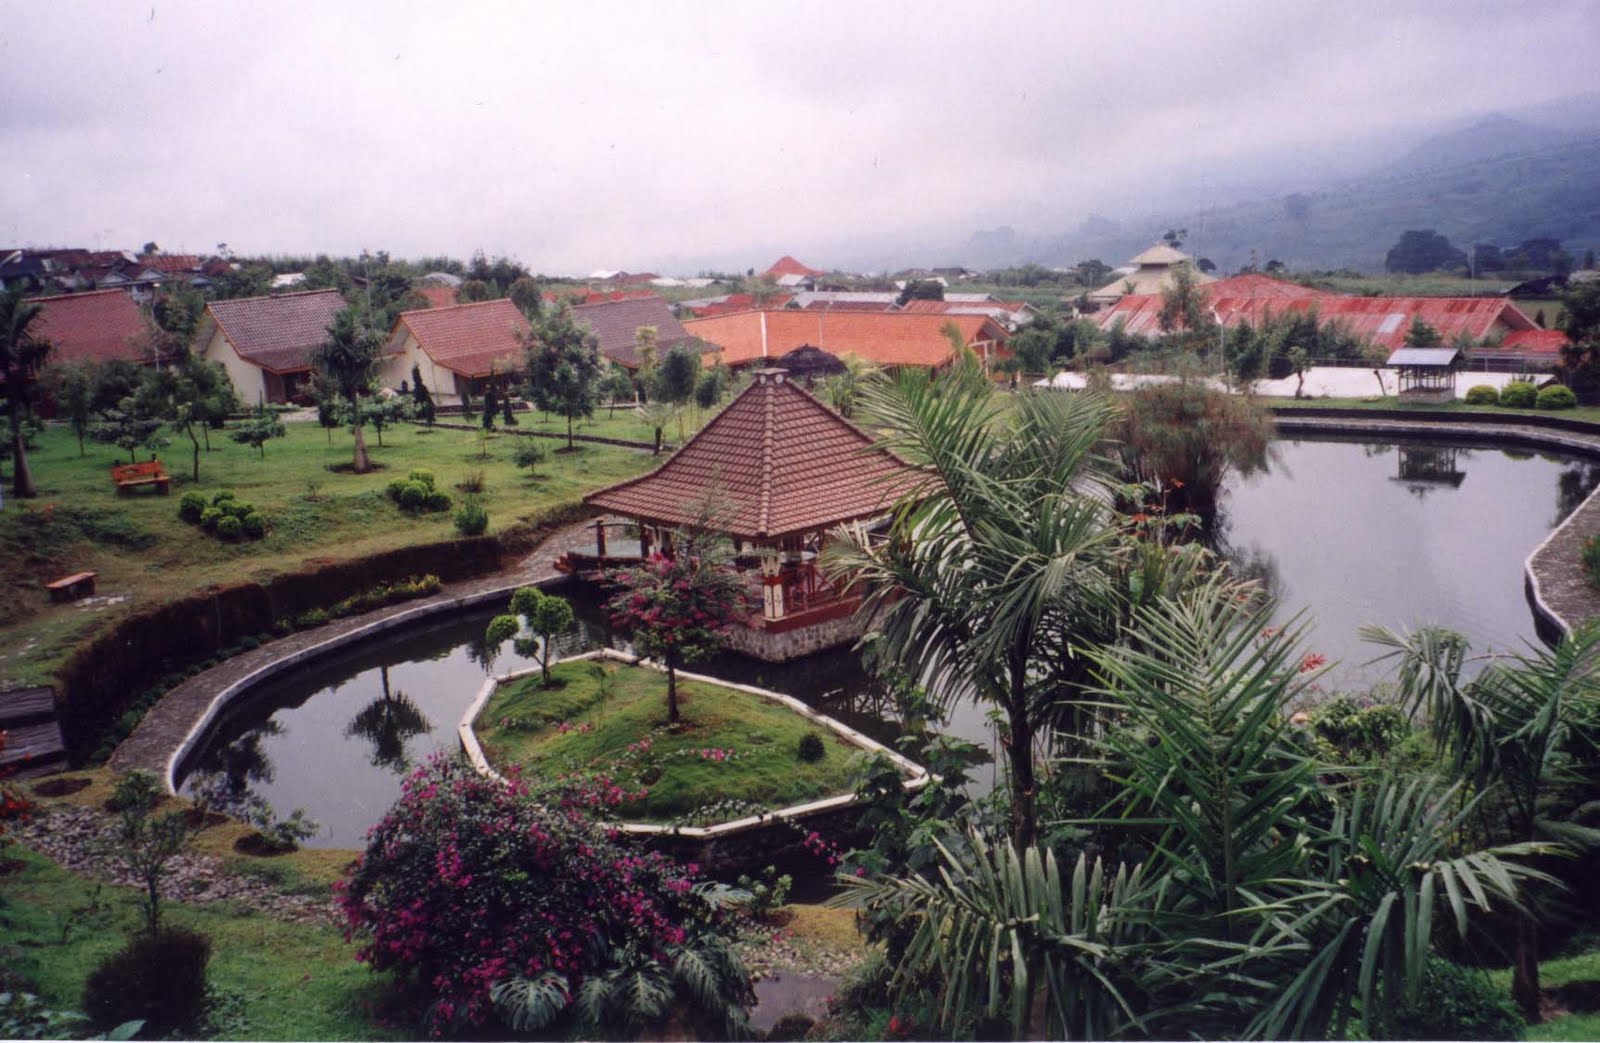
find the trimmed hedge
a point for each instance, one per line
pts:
(1482, 395)
(1519, 394)
(1556, 396)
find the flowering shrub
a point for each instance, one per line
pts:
(14, 804)
(470, 887)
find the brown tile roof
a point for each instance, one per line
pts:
(885, 338)
(469, 339)
(775, 462)
(171, 264)
(616, 325)
(278, 333)
(98, 327)
(438, 296)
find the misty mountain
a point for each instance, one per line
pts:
(1500, 198)
(1488, 138)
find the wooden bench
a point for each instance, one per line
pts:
(128, 476)
(71, 588)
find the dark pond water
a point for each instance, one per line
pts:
(1355, 533)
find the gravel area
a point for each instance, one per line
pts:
(76, 838)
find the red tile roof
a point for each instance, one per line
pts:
(775, 462)
(278, 333)
(787, 265)
(1534, 342)
(469, 339)
(438, 296)
(1256, 285)
(171, 264)
(885, 338)
(98, 327)
(737, 302)
(576, 295)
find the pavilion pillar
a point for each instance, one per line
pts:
(600, 536)
(644, 540)
(771, 583)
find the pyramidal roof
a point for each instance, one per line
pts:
(775, 462)
(1161, 253)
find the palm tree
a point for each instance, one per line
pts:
(1520, 730)
(388, 722)
(348, 361)
(22, 353)
(988, 580)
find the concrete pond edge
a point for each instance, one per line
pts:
(915, 775)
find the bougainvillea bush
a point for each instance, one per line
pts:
(491, 902)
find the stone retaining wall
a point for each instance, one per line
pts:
(792, 644)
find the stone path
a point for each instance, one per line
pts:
(188, 707)
(1560, 591)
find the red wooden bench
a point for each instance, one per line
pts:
(127, 476)
(71, 588)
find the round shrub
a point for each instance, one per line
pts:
(225, 494)
(160, 979)
(1454, 1002)
(810, 748)
(394, 487)
(191, 507)
(437, 501)
(1482, 395)
(229, 527)
(237, 509)
(253, 525)
(419, 475)
(472, 519)
(209, 518)
(1519, 394)
(1556, 396)
(471, 889)
(413, 495)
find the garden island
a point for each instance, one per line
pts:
(461, 654)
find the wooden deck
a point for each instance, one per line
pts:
(33, 734)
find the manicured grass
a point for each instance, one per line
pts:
(144, 553)
(280, 980)
(1553, 974)
(581, 726)
(621, 423)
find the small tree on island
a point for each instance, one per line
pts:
(544, 615)
(677, 607)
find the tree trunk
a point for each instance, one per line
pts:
(1378, 374)
(544, 659)
(21, 478)
(1022, 779)
(672, 688)
(196, 443)
(81, 451)
(569, 432)
(1525, 969)
(362, 464)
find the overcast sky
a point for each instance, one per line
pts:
(670, 136)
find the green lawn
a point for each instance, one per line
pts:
(608, 423)
(142, 551)
(576, 726)
(1552, 975)
(278, 980)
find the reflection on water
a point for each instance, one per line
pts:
(1400, 534)
(1397, 534)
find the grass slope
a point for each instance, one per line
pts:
(144, 553)
(581, 725)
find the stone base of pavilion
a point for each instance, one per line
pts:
(800, 633)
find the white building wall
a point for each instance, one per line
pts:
(249, 380)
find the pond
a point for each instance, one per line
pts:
(1396, 533)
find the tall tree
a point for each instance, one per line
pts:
(348, 361)
(987, 582)
(1580, 356)
(71, 387)
(22, 355)
(563, 366)
(527, 296)
(1423, 250)
(189, 396)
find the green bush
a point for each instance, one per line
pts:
(209, 518)
(1454, 1002)
(472, 519)
(160, 979)
(235, 509)
(437, 501)
(1556, 396)
(419, 475)
(191, 507)
(314, 618)
(394, 487)
(253, 525)
(1482, 395)
(229, 527)
(810, 748)
(226, 494)
(413, 495)
(1360, 730)
(1519, 394)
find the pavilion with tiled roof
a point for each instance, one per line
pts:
(775, 470)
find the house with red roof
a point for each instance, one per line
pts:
(616, 326)
(94, 327)
(791, 274)
(456, 349)
(266, 343)
(887, 339)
